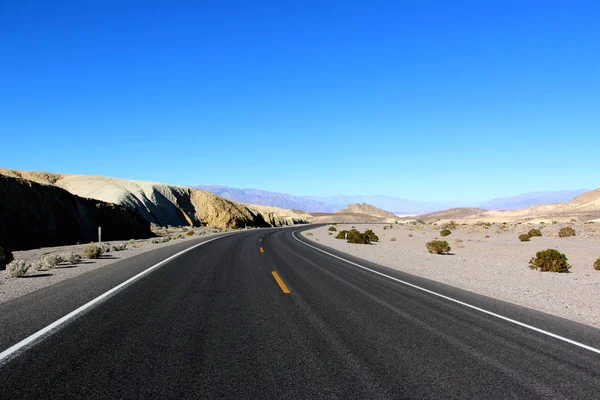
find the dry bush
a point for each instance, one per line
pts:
(524, 237)
(534, 232)
(17, 268)
(92, 252)
(566, 232)
(459, 243)
(191, 233)
(445, 232)
(597, 265)
(52, 260)
(392, 239)
(550, 260)
(309, 234)
(438, 247)
(332, 229)
(119, 247)
(72, 258)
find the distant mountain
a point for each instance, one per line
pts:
(393, 204)
(262, 197)
(532, 199)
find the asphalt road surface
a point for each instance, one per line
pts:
(259, 314)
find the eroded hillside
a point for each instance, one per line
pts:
(34, 214)
(167, 205)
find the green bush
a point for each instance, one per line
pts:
(372, 236)
(445, 232)
(357, 237)
(341, 235)
(550, 260)
(5, 257)
(332, 229)
(566, 232)
(92, 252)
(534, 232)
(524, 237)
(438, 247)
(597, 265)
(17, 268)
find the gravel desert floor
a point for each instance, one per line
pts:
(11, 288)
(490, 260)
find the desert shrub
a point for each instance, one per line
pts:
(52, 260)
(524, 237)
(534, 232)
(5, 257)
(191, 233)
(597, 265)
(332, 229)
(566, 232)
(445, 232)
(119, 247)
(92, 251)
(550, 260)
(330, 233)
(449, 225)
(357, 237)
(72, 258)
(459, 243)
(341, 234)
(184, 230)
(372, 236)
(309, 234)
(392, 239)
(438, 247)
(39, 266)
(17, 268)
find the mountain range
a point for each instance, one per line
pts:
(396, 205)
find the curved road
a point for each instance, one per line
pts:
(216, 322)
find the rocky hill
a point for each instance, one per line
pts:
(367, 209)
(166, 205)
(583, 208)
(34, 215)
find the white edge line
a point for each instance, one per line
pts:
(13, 349)
(533, 328)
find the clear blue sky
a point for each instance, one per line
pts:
(424, 100)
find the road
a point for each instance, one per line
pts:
(216, 322)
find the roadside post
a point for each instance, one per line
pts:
(99, 236)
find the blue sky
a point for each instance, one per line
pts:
(444, 101)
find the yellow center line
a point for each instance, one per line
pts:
(284, 288)
(262, 250)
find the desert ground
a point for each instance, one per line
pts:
(489, 259)
(11, 288)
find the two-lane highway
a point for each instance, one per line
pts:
(260, 314)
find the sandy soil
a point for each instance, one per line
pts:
(11, 288)
(496, 266)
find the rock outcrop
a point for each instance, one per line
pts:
(35, 215)
(166, 205)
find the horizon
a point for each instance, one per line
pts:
(442, 103)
